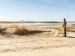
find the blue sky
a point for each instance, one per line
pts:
(37, 10)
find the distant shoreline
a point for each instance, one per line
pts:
(28, 22)
(33, 22)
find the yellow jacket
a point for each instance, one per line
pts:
(61, 30)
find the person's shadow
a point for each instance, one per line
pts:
(70, 37)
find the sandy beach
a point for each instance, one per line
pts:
(37, 27)
(39, 44)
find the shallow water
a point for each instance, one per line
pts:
(33, 24)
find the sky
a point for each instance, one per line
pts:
(37, 10)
